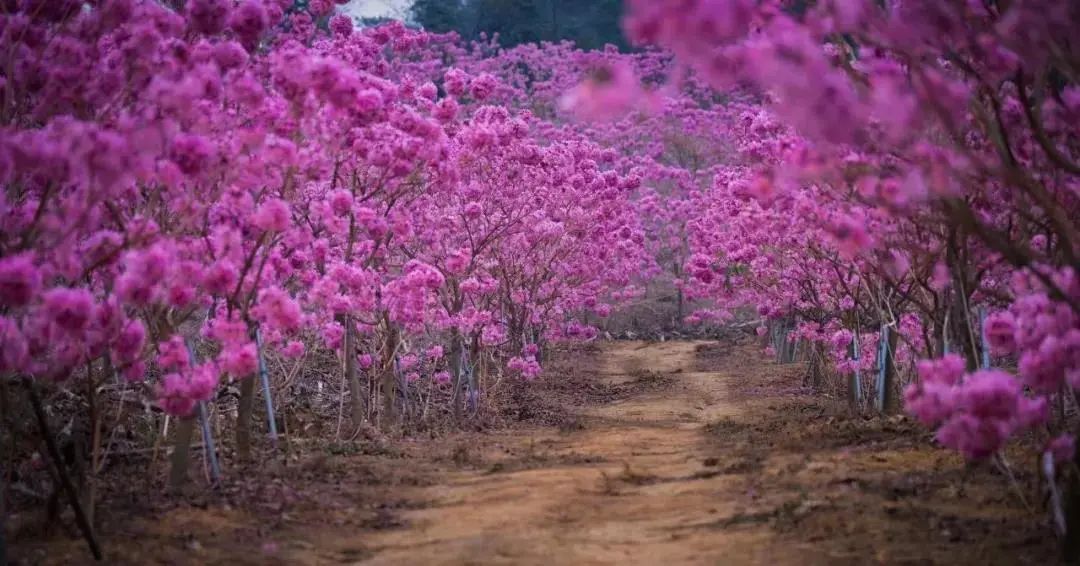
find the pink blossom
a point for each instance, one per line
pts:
(947, 370)
(474, 210)
(294, 350)
(193, 154)
(457, 262)
(273, 216)
(991, 394)
(129, 344)
(320, 7)
(248, 20)
(341, 25)
(851, 236)
(182, 293)
(221, 277)
(135, 372)
(14, 349)
(941, 278)
(69, 309)
(341, 202)
(208, 16)
(526, 366)
(930, 402)
(278, 310)
(173, 396)
(1000, 332)
(455, 81)
(203, 382)
(897, 264)
(332, 334)
(173, 354)
(974, 438)
(608, 93)
(179, 393)
(230, 55)
(231, 332)
(369, 101)
(446, 110)
(20, 280)
(239, 360)
(483, 86)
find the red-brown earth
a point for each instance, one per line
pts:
(632, 453)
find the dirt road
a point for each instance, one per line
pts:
(640, 503)
(726, 466)
(676, 453)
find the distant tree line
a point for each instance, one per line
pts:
(589, 23)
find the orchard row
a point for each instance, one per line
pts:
(894, 187)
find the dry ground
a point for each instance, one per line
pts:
(634, 453)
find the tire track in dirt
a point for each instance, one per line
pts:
(641, 505)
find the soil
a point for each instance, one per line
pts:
(630, 453)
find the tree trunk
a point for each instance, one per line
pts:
(5, 476)
(244, 414)
(456, 354)
(3, 528)
(181, 456)
(855, 384)
(389, 379)
(516, 328)
(1070, 542)
(679, 299)
(95, 442)
(819, 370)
(61, 471)
(246, 409)
(960, 326)
(472, 394)
(351, 375)
(960, 333)
(890, 402)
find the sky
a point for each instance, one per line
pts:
(375, 8)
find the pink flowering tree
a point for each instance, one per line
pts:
(958, 115)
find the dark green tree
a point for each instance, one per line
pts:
(439, 16)
(590, 24)
(516, 21)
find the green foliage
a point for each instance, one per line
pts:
(374, 21)
(439, 16)
(590, 24)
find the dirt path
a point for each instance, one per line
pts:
(639, 503)
(677, 453)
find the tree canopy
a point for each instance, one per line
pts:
(588, 24)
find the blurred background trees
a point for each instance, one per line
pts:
(589, 24)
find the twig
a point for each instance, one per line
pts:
(1056, 508)
(157, 441)
(65, 479)
(341, 399)
(1003, 465)
(210, 451)
(264, 376)
(3, 539)
(112, 434)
